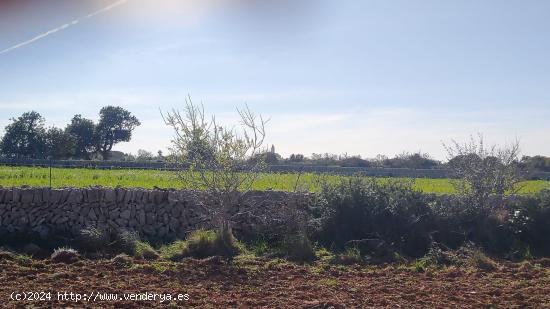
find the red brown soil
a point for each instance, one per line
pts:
(253, 284)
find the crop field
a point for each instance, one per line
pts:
(73, 177)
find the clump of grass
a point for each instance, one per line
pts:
(260, 247)
(298, 248)
(324, 255)
(122, 260)
(277, 263)
(481, 261)
(23, 259)
(65, 255)
(173, 251)
(420, 265)
(330, 282)
(206, 243)
(349, 257)
(143, 250)
(6, 255)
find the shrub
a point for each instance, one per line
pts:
(458, 220)
(391, 211)
(93, 239)
(298, 248)
(65, 255)
(530, 221)
(122, 260)
(126, 241)
(348, 257)
(439, 257)
(206, 243)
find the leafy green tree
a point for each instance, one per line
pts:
(24, 137)
(115, 125)
(59, 144)
(82, 130)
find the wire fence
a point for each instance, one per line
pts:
(288, 168)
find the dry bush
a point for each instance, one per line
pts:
(93, 239)
(65, 255)
(122, 260)
(481, 171)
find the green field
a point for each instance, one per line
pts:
(72, 177)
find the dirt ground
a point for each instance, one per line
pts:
(253, 283)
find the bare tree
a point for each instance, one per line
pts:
(222, 160)
(481, 171)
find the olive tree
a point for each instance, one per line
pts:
(222, 160)
(481, 171)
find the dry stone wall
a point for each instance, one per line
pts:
(152, 213)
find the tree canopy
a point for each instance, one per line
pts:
(27, 137)
(115, 125)
(24, 137)
(82, 130)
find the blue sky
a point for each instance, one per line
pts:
(356, 76)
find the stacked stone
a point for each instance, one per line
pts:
(152, 213)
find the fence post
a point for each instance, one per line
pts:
(50, 173)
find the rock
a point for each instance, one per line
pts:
(162, 231)
(126, 214)
(141, 217)
(174, 224)
(60, 220)
(128, 196)
(122, 222)
(150, 218)
(16, 195)
(120, 193)
(115, 214)
(92, 215)
(112, 224)
(27, 196)
(74, 196)
(93, 195)
(65, 195)
(149, 207)
(54, 197)
(110, 196)
(173, 197)
(149, 230)
(32, 249)
(37, 199)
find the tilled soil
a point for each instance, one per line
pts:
(256, 283)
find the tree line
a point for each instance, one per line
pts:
(28, 137)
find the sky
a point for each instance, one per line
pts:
(360, 77)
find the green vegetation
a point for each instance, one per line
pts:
(207, 243)
(69, 177)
